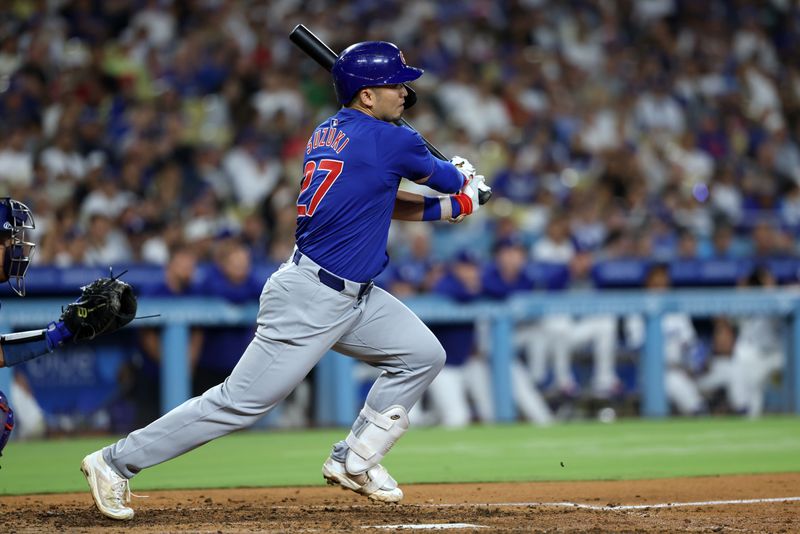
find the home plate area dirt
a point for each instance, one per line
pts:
(759, 503)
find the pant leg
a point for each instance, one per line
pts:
(449, 398)
(527, 397)
(558, 331)
(601, 332)
(531, 339)
(682, 392)
(478, 381)
(718, 375)
(291, 338)
(390, 337)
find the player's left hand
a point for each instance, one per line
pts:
(464, 167)
(105, 305)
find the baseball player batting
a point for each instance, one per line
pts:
(105, 305)
(323, 297)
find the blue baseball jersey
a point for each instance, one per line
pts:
(351, 172)
(223, 346)
(497, 287)
(457, 339)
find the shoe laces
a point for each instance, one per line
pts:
(122, 494)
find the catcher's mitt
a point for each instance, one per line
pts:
(105, 305)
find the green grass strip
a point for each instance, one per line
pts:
(627, 449)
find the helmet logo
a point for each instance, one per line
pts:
(7, 226)
(402, 59)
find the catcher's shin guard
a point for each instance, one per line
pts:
(6, 421)
(376, 437)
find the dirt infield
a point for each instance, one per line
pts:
(526, 507)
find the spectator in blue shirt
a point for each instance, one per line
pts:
(179, 280)
(465, 376)
(505, 276)
(231, 278)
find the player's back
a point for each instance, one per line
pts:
(352, 169)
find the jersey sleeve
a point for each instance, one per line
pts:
(405, 154)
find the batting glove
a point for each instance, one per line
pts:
(469, 197)
(464, 167)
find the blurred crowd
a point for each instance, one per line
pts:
(138, 130)
(655, 128)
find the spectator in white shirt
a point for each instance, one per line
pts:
(107, 246)
(16, 163)
(758, 353)
(559, 336)
(658, 110)
(62, 159)
(679, 339)
(253, 171)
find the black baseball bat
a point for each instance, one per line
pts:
(325, 57)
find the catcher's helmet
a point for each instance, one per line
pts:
(15, 218)
(369, 64)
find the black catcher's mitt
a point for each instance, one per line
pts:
(105, 305)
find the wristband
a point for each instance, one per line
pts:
(432, 209)
(444, 208)
(57, 334)
(464, 204)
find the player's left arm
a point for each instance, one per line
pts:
(414, 207)
(408, 206)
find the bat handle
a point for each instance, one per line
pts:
(432, 149)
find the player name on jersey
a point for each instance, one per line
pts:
(327, 137)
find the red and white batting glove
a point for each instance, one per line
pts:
(467, 198)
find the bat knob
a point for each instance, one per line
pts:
(484, 195)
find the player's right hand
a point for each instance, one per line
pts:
(472, 188)
(469, 197)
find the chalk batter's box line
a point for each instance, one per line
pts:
(646, 506)
(564, 504)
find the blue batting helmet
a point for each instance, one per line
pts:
(15, 218)
(369, 64)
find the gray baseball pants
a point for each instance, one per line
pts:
(299, 320)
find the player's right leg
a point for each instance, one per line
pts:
(390, 337)
(448, 396)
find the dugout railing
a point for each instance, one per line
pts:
(336, 396)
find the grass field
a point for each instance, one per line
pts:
(627, 449)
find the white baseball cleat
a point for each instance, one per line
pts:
(110, 491)
(376, 483)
